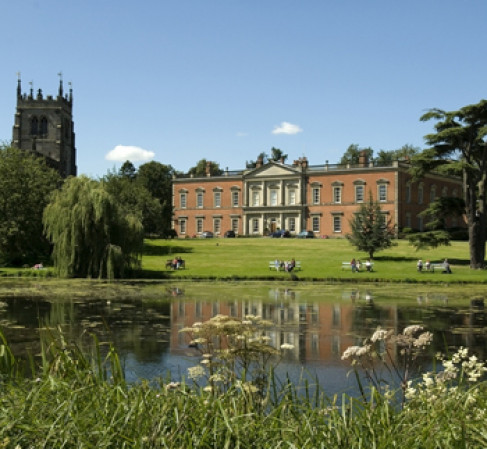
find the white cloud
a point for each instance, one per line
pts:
(286, 128)
(242, 134)
(122, 153)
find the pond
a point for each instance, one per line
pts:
(319, 321)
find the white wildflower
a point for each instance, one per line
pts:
(195, 372)
(379, 334)
(410, 331)
(350, 352)
(287, 346)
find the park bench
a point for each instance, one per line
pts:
(347, 266)
(182, 265)
(437, 266)
(272, 266)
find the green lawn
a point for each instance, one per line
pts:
(321, 259)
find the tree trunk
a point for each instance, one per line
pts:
(475, 200)
(476, 238)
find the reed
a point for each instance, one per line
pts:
(77, 400)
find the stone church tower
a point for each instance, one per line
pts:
(45, 126)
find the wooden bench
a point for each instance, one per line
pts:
(272, 266)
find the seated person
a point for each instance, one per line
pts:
(427, 265)
(419, 265)
(446, 267)
(368, 265)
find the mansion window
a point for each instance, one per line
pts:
(444, 191)
(420, 223)
(337, 223)
(382, 192)
(182, 200)
(292, 197)
(255, 198)
(337, 194)
(408, 220)
(291, 224)
(432, 193)
(217, 225)
(315, 224)
(199, 225)
(218, 199)
(235, 225)
(273, 197)
(420, 193)
(235, 199)
(199, 199)
(255, 225)
(359, 194)
(316, 195)
(182, 226)
(408, 192)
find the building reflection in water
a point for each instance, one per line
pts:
(322, 331)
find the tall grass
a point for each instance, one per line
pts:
(77, 400)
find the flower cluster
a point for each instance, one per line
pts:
(234, 352)
(457, 385)
(378, 362)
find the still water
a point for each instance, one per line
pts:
(320, 321)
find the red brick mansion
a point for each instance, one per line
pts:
(299, 196)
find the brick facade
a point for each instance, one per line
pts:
(302, 197)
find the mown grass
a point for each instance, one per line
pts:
(321, 259)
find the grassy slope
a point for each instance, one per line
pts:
(321, 259)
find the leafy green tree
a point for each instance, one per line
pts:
(277, 155)
(157, 179)
(405, 153)
(461, 137)
(128, 170)
(260, 157)
(371, 231)
(92, 235)
(25, 184)
(352, 155)
(134, 199)
(429, 239)
(436, 214)
(200, 168)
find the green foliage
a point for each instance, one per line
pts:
(429, 239)
(134, 199)
(200, 168)
(128, 171)
(371, 231)
(157, 179)
(25, 184)
(352, 155)
(277, 155)
(75, 402)
(439, 210)
(460, 136)
(91, 234)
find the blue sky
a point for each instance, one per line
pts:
(178, 81)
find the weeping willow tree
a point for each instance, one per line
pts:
(91, 234)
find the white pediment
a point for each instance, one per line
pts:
(273, 170)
